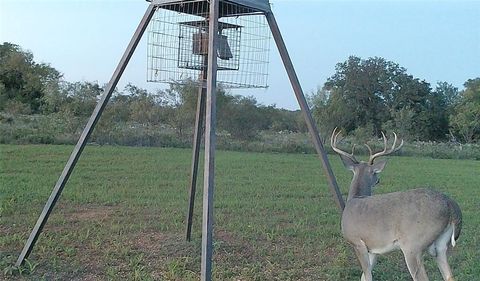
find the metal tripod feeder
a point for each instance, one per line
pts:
(181, 48)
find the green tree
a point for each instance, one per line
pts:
(330, 111)
(376, 93)
(179, 103)
(363, 89)
(54, 98)
(22, 79)
(244, 118)
(465, 120)
(402, 123)
(448, 93)
(143, 107)
(283, 120)
(118, 108)
(81, 97)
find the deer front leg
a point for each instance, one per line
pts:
(415, 265)
(364, 258)
(372, 260)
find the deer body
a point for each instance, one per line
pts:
(412, 221)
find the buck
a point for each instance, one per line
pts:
(413, 221)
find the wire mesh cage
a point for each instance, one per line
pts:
(178, 44)
(193, 45)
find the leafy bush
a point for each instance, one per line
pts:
(60, 128)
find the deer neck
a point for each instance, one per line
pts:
(359, 187)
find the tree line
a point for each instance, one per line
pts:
(367, 96)
(27, 87)
(363, 97)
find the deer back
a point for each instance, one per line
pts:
(414, 216)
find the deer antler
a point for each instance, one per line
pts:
(385, 151)
(333, 144)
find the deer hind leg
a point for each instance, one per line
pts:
(443, 264)
(415, 265)
(363, 257)
(372, 260)
(441, 246)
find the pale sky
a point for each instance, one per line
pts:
(434, 40)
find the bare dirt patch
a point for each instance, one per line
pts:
(234, 246)
(87, 277)
(4, 229)
(89, 212)
(161, 245)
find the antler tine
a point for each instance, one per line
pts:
(398, 147)
(384, 142)
(333, 144)
(369, 148)
(385, 152)
(332, 140)
(393, 149)
(394, 140)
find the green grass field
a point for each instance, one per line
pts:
(122, 215)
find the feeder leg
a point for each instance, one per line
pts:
(196, 153)
(97, 112)
(312, 128)
(210, 122)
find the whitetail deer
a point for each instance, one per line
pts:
(411, 221)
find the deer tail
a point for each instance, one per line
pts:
(453, 235)
(455, 220)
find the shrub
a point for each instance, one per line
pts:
(61, 128)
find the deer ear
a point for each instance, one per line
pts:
(379, 165)
(348, 163)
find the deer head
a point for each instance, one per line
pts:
(365, 174)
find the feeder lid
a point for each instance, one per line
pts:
(251, 6)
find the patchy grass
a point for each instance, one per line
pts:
(122, 215)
